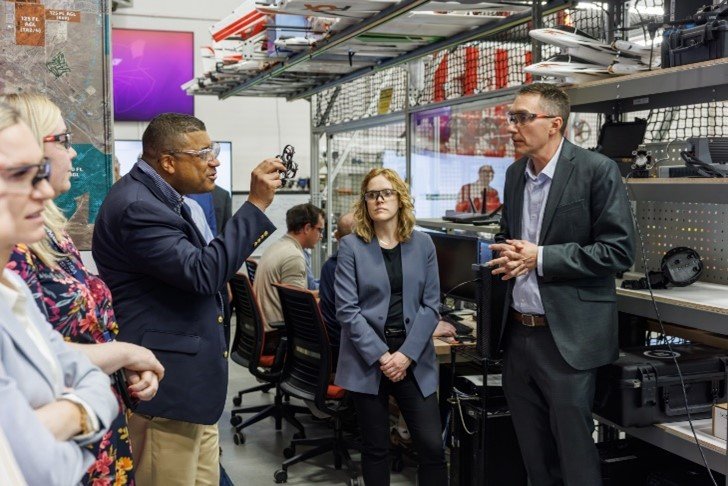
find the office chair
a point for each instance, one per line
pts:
(247, 350)
(251, 266)
(307, 375)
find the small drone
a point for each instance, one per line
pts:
(291, 166)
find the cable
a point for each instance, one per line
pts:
(447, 294)
(703, 168)
(664, 334)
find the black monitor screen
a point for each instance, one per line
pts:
(619, 140)
(455, 256)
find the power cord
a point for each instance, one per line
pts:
(703, 168)
(664, 334)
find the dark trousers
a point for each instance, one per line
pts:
(551, 405)
(423, 422)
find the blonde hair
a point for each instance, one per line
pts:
(9, 116)
(42, 116)
(363, 225)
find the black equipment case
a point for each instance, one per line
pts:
(682, 46)
(701, 37)
(643, 387)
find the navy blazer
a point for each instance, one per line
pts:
(166, 284)
(587, 237)
(362, 303)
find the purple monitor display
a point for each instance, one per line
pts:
(149, 67)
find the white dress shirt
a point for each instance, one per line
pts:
(526, 296)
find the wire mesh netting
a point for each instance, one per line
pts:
(379, 94)
(683, 122)
(354, 154)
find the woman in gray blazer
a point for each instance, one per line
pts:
(387, 299)
(53, 401)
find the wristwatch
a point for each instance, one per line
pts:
(87, 426)
(85, 423)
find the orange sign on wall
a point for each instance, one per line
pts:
(29, 24)
(63, 15)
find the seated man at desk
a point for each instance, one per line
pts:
(283, 261)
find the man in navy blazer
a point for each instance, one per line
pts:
(169, 293)
(568, 230)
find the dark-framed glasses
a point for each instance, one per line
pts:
(385, 194)
(23, 178)
(206, 154)
(524, 117)
(62, 138)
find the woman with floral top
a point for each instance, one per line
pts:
(76, 302)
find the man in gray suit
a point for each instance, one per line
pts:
(566, 231)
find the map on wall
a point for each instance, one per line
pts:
(61, 49)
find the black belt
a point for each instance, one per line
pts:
(395, 332)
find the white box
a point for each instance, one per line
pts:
(720, 420)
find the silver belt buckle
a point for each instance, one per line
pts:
(526, 317)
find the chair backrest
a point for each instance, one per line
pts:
(307, 369)
(249, 339)
(251, 266)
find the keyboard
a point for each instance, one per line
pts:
(472, 218)
(445, 309)
(460, 328)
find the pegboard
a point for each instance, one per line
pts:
(702, 227)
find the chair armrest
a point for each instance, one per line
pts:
(280, 355)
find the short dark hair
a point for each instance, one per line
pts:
(163, 133)
(299, 216)
(554, 100)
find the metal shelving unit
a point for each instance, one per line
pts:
(701, 305)
(663, 437)
(660, 88)
(298, 76)
(697, 190)
(487, 231)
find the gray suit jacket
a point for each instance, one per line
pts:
(362, 301)
(26, 384)
(588, 237)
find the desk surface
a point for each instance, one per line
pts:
(443, 345)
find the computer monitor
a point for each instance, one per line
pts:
(455, 256)
(617, 140)
(128, 151)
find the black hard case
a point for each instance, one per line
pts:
(643, 386)
(704, 42)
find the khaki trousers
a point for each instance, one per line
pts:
(169, 452)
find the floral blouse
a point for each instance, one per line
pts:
(78, 305)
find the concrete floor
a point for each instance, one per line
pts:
(254, 462)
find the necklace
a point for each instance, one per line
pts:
(386, 244)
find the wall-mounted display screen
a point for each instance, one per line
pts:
(128, 151)
(459, 159)
(148, 67)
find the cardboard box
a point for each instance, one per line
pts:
(720, 423)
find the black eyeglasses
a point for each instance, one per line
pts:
(523, 117)
(24, 177)
(386, 194)
(63, 138)
(206, 154)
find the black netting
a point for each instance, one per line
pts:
(494, 63)
(356, 153)
(381, 93)
(682, 122)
